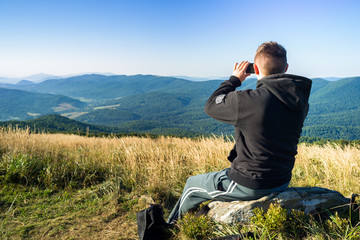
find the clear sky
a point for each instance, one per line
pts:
(200, 38)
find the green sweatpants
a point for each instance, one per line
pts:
(214, 186)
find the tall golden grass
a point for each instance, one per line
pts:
(161, 163)
(331, 166)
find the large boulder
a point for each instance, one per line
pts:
(310, 200)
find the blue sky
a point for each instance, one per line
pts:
(194, 38)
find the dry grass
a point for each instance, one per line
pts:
(156, 167)
(140, 163)
(330, 166)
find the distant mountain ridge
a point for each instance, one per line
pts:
(40, 77)
(33, 78)
(148, 103)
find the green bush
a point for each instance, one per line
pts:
(273, 220)
(296, 224)
(193, 227)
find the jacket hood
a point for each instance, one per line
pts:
(292, 90)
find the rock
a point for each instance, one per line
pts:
(310, 200)
(147, 200)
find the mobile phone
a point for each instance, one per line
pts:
(250, 68)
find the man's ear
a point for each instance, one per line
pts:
(256, 69)
(287, 66)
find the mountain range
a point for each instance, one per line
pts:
(33, 78)
(156, 104)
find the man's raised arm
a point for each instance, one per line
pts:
(223, 103)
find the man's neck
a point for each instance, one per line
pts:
(259, 76)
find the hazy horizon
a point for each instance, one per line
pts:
(37, 78)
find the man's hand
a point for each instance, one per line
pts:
(240, 70)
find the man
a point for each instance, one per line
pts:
(268, 122)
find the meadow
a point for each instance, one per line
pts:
(60, 186)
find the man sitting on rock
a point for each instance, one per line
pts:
(268, 122)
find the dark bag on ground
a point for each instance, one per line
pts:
(151, 224)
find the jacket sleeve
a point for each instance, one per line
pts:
(223, 103)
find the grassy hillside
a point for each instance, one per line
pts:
(71, 187)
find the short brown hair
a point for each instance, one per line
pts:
(270, 57)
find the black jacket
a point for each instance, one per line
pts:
(268, 123)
